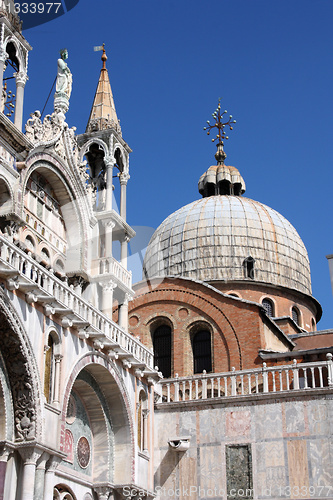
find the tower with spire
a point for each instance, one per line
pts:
(107, 161)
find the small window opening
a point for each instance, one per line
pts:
(295, 315)
(248, 266)
(162, 349)
(202, 351)
(269, 307)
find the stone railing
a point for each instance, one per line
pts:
(41, 286)
(109, 265)
(278, 379)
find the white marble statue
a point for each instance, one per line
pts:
(64, 76)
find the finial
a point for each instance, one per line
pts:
(104, 56)
(221, 135)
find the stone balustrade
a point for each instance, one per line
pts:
(109, 265)
(58, 298)
(277, 379)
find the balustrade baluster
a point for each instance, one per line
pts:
(280, 380)
(287, 379)
(225, 386)
(313, 377)
(219, 387)
(242, 384)
(190, 390)
(211, 387)
(168, 393)
(305, 374)
(183, 395)
(274, 384)
(249, 383)
(321, 382)
(196, 389)
(257, 384)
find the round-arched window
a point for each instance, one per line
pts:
(202, 351)
(295, 315)
(269, 307)
(162, 349)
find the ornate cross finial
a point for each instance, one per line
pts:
(221, 135)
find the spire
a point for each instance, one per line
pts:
(103, 112)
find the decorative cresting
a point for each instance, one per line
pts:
(220, 178)
(54, 135)
(17, 357)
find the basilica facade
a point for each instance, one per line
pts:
(207, 379)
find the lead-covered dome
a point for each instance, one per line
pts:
(230, 238)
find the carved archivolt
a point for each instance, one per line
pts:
(23, 377)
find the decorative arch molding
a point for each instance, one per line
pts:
(118, 146)
(186, 296)
(85, 148)
(6, 203)
(21, 368)
(71, 199)
(20, 54)
(6, 405)
(120, 410)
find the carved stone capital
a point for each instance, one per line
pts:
(108, 224)
(30, 455)
(124, 178)
(109, 161)
(104, 492)
(21, 78)
(109, 286)
(52, 463)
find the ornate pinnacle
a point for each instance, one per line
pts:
(221, 135)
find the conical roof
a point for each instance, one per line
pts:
(103, 112)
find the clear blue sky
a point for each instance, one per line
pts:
(169, 61)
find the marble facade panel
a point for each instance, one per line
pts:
(318, 418)
(212, 426)
(211, 469)
(321, 464)
(238, 424)
(297, 465)
(294, 412)
(268, 421)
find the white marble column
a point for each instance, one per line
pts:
(4, 454)
(56, 388)
(108, 226)
(30, 457)
(107, 298)
(124, 250)
(124, 177)
(145, 414)
(109, 162)
(21, 79)
(123, 313)
(51, 466)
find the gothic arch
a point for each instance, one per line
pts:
(85, 149)
(123, 166)
(110, 383)
(21, 368)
